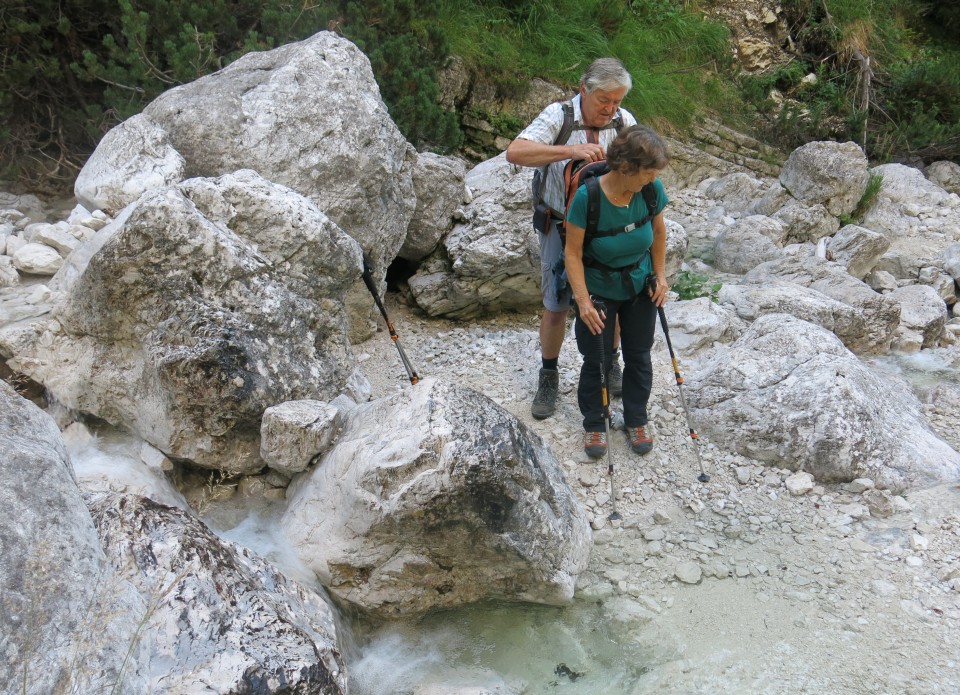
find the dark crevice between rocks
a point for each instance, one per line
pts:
(24, 385)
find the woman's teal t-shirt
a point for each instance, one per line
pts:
(621, 250)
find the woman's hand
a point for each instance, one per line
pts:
(658, 290)
(592, 318)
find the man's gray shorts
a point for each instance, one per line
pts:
(551, 248)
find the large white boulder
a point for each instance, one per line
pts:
(67, 621)
(832, 174)
(193, 312)
(789, 394)
(436, 497)
(224, 620)
(880, 314)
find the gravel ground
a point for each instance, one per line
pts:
(736, 585)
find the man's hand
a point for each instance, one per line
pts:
(587, 152)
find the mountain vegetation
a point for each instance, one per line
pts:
(886, 72)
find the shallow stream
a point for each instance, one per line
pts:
(492, 648)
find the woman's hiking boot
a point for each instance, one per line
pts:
(615, 376)
(640, 441)
(545, 402)
(595, 444)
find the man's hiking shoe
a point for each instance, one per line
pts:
(595, 444)
(545, 402)
(615, 378)
(640, 441)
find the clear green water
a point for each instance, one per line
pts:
(500, 648)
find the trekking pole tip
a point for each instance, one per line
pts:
(703, 478)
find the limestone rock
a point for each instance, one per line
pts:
(735, 191)
(198, 308)
(831, 174)
(67, 621)
(857, 249)
(37, 259)
(747, 243)
(880, 313)
(134, 157)
(804, 222)
(772, 199)
(491, 262)
(788, 392)
(436, 497)
(225, 620)
(699, 323)
(918, 217)
(272, 111)
(922, 310)
(8, 272)
(951, 261)
(438, 182)
(750, 301)
(945, 174)
(294, 433)
(799, 483)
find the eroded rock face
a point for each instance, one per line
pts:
(66, 620)
(789, 393)
(747, 243)
(436, 497)
(858, 249)
(919, 218)
(439, 185)
(699, 323)
(193, 312)
(945, 174)
(491, 262)
(222, 620)
(751, 301)
(922, 310)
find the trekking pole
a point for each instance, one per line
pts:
(368, 281)
(703, 477)
(605, 396)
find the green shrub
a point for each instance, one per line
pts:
(73, 70)
(906, 105)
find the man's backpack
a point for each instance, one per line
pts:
(541, 212)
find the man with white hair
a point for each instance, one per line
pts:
(580, 129)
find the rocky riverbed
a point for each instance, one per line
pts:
(760, 580)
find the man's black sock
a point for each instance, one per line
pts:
(550, 364)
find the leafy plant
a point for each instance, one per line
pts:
(690, 285)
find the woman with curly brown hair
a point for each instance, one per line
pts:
(619, 271)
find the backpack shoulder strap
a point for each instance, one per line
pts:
(593, 208)
(567, 126)
(649, 193)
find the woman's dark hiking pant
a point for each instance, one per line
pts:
(637, 322)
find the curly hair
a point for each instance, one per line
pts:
(637, 147)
